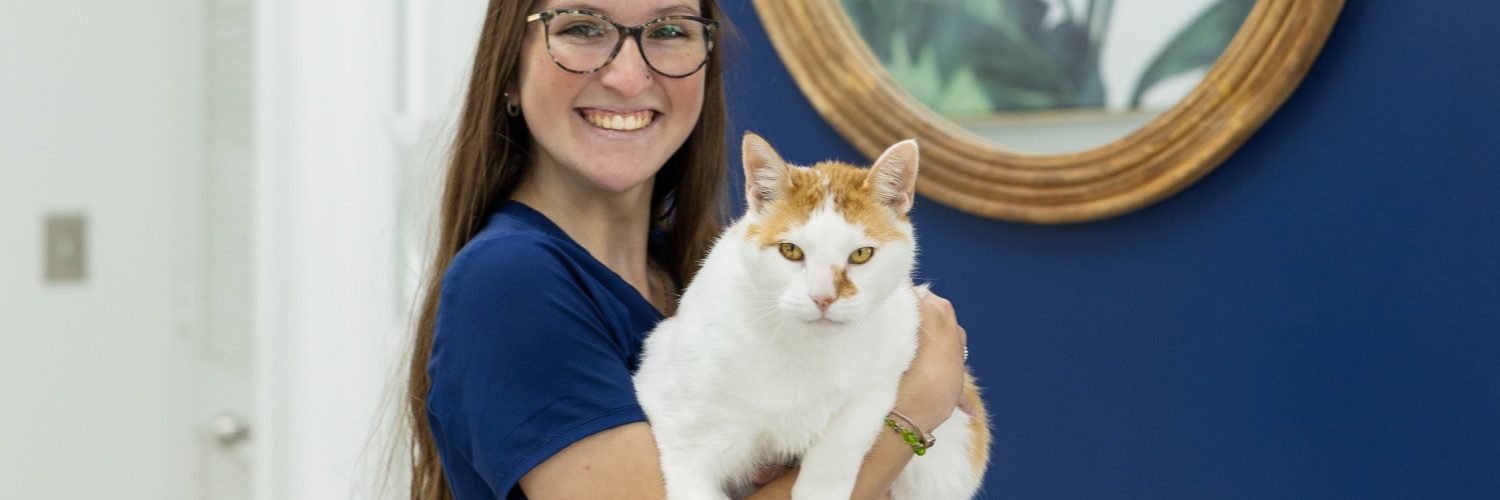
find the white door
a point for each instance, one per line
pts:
(101, 125)
(220, 348)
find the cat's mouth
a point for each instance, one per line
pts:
(825, 321)
(622, 121)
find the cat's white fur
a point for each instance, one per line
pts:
(745, 374)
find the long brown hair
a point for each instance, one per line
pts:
(490, 153)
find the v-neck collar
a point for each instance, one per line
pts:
(540, 221)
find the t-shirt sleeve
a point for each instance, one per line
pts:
(523, 363)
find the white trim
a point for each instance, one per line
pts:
(326, 324)
(270, 435)
(355, 106)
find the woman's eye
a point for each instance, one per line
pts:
(791, 252)
(668, 31)
(862, 255)
(582, 30)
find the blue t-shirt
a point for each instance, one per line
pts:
(534, 347)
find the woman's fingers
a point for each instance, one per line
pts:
(940, 326)
(932, 385)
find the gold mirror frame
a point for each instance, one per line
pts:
(851, 89)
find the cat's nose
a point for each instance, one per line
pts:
(823, 301)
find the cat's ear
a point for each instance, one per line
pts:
(765, 172)
(894, 176)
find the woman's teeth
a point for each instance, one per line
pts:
(613, 121)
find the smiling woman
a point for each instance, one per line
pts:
(582, 192)
(568, 214)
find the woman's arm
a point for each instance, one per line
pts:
(881, 467)
(622, 463)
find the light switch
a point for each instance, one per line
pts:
(67, 248)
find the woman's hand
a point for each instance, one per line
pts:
(933, 385)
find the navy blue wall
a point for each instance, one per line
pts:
(1317, 318)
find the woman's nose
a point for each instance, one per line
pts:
(628, 74)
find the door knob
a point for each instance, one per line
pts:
(230, 429)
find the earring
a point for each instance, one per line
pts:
(512, 108)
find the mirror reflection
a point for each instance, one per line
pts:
(1048, 76)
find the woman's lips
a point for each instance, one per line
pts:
(611, 120)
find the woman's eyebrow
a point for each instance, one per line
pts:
(678, 9)
(578, 6)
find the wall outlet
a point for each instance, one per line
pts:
(67, 248)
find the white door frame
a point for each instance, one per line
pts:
(330, 323)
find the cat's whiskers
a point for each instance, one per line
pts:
(764, 313)
(779, 325)
(863, 324)
(747, 297)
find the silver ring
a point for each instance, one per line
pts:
(966, 354)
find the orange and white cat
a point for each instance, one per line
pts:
(790, 342)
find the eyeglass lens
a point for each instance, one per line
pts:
(583, 43)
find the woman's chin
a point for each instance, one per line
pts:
(620, 182)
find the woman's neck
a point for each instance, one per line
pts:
(613, 227)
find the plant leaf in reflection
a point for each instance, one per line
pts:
(1197, 46)
(977, 57)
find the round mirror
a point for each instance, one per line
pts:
(1048, 76)
(1050, 111)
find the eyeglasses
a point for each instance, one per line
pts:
(584, 42)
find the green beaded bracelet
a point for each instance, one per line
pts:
(908, 436)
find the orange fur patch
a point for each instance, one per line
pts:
(855, 198)
(801, 192)
(979, 426)
(842, 284)
(804, 191)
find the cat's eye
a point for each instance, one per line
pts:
(791, 252)
(862, 255)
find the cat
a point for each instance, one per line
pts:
(791, 341)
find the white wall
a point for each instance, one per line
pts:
(100, 113)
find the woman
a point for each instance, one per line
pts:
(581, 194)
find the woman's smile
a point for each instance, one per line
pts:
(623, 121)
